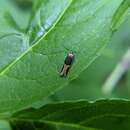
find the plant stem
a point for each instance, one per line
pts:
(117, 74)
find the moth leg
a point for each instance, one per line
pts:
(62, 71)
(68, 68)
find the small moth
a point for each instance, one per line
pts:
(67, 64)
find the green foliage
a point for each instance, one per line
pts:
(120, 16)
(4, 125)
(104, 114)
(35, 37)
(88, 85)
(31, 65)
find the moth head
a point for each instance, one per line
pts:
(71, 54)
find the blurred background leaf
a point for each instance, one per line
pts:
(11, 11)
(4, 125)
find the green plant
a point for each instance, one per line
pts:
(34, 42)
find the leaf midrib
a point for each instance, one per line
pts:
(37, 42)
(53, 122)
(80, 124)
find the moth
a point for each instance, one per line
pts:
(67, 64)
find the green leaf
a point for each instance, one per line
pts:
(88, 85)
(4, 125)
(41, 125)
(103, 114)
(30, 62)
(121, 14)
(19, 16)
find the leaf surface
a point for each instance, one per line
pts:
(121, 14)
(103, 114)
(31, 61)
